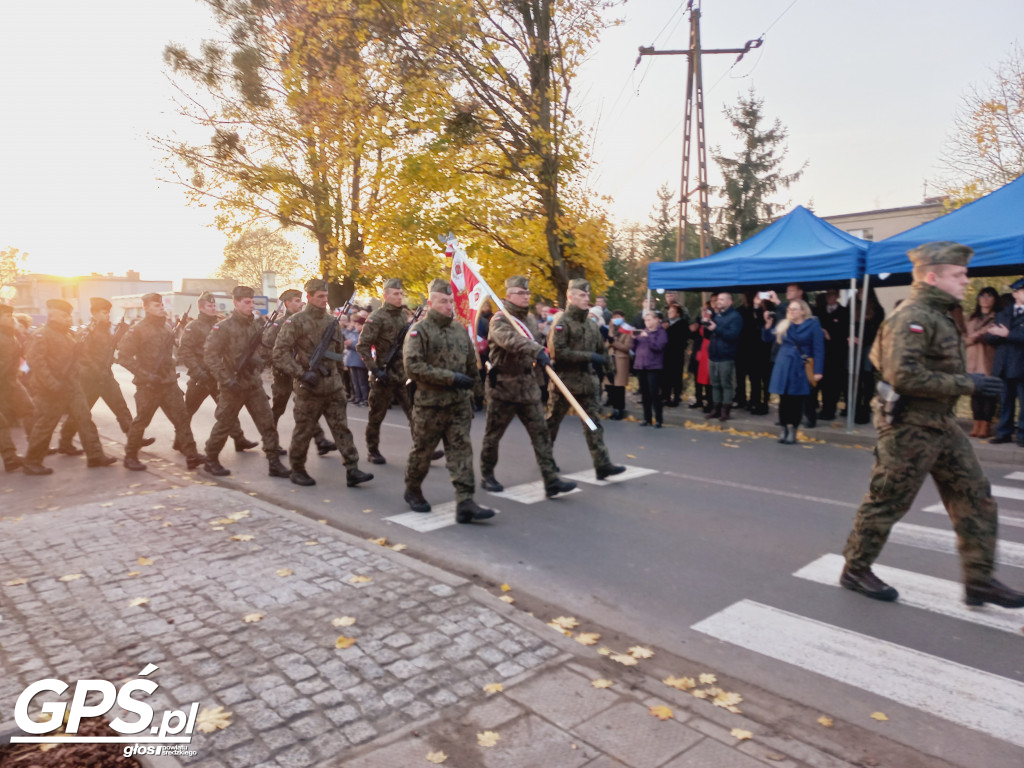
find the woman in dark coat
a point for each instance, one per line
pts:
(799, 337)
(648, 362)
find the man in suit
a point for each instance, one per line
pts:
(1006, 334)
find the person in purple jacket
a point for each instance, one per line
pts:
(648, 362)
(800, 337)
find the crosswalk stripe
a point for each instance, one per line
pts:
(939, 540)
(588, 476)
(440, 516)
(528, 493)
(1007, 492)
(970, 697)
(1015, 476)
(1004, 517)
(920, 591)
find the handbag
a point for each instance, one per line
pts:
(809, 370)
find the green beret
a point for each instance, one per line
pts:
(579, 284)
(290, 294)
(152, 298)
(242, 292)
(314, 285)
(207, 298)
(517, 281)
(394, 282)
(439, 285)
(97, 303)
(942, 252)
(6, 309)
(59, 304)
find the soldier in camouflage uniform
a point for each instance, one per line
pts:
(53, 359)
(513, 389)
(281, 387)
(578, 356)
(15, 403)
(379, 336)
(147, 351)
(920, 353)
(440, 359)
(95, 358)
(232, 339)
(319, 392)
(201, 382)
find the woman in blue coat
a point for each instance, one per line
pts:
(799, 337)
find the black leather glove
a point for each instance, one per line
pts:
(597, 359)
(543, 358)
(990, 386)
(381, 375)
(462, 381)
(310, 379)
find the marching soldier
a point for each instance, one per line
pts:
(281, 388)
(96, 357)
(376, 347)
(147, 351)
(53, 359)
(201, 382)
(319, 387)
(920, 356)
(233, 353)
(15, 403)
(440, 359)
(513, 389)
(577, 351)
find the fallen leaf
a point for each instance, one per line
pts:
(507, 599)
(741, 734)
(682, 683)
(700, 693)
(15, 582)
(70, 577)
(238, 515)
(217, 528)
(210, 720)
(604, 651)
(399, 547)
(242, 537)
(506, 588)
(223, 521)
(360, 579)
(706, 678)
(487, 738)
(630, 456)
(365, 512)
(494, 688)
(734, 710)
(134, 573)
(166, 524)
(324, 522)
(252, 618)
(436, 757)
(137, 601)
(878, 716)
(624, 658)
(382, 541)
(284, 571)
(825, 720)
(107, 504)
(602, 683)
(312, 543)
(587, 638)
(344, 642)
(661, 712)
(145, 561)
(726, 700)
(343, 621)
(564, 622)
(639, 652)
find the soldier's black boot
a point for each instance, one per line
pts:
(276, 468)
(468, 511)
(608, 470)
(242, 443)
(133, 463)
(355, 476)
(69, 449)
(100, 461)
(323, 447)
(213, 467)
(299, 477)
(994, 592)
(374, 457)
(35, 469)
(558, 486)
(147, 441)
(416, 501)
(864, 581)
(488, 483)
(195, 461)
(438, 454)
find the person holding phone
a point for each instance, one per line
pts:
(799, 337)
(648, 364)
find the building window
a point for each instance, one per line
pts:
(863, 234)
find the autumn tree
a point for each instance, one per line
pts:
(985, 149)
(256, 251)
(12, 264)
(754, 175)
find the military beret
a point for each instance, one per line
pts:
(207, 298)
(97, 303)
(440, 285)
(579, 284)
(942, 252)
(517, 281)
(1017, 285)
(290, 294)
(242, 292)
(59, 304)
(314, 285)
(394, 282)
(6, 309)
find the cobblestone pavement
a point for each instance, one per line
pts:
(426, 644)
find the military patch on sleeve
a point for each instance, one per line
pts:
(216, 327)
(558, 327)
(288, 321)
(414, 333)
(915, 328)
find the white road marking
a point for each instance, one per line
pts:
(941, 540)
(760, 490)
(1015, 476)
(440, 516)
(528, 493)
(588, 476)
(955, 692)
(1004, 518)
(920, 591)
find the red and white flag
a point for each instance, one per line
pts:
(470, 289)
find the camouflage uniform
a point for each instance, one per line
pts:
(572, 339)
(435, 349)
(920, 352)
(227, 343)
(147, 352)
(295, 343)
(15, 403)
(513, 390)
(53, 358)
(281, 387)
(201, 382)
(95, 357)
(381, 331)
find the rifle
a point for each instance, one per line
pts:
(399, 340)
(254, 344)
(75, 350)
(322, 350)
(119, 331)
(179, 326)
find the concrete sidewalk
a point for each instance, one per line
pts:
(241, 605)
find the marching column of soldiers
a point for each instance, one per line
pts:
(428, 365)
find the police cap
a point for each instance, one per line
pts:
(440, 285)
(314, 285)
(1017, 285)
(942, 252)
(59, 304)
(579, 284)
(98, 303)
(394, 282)
(517, 281)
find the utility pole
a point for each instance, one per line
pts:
(694, 119)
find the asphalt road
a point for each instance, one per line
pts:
(712, 536)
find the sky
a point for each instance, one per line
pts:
(866, 90)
